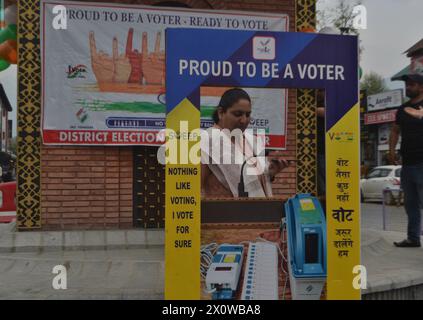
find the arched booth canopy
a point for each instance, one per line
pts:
(268, 60)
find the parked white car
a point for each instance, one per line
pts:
(378, 179)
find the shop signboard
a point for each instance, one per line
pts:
(384, 100)
(380, 117)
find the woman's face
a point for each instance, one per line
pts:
(237, 116)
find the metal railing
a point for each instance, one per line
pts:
(398, 202)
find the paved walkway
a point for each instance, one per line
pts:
(117, 264)
(390, 268)
(93, 274)
(129, 264)
(372, 217)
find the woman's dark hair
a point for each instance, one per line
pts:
(228, 99)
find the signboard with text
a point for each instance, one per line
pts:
(384, 100)
(261, 60)
(103, 76)
(380, 117)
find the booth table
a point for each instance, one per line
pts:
(236, 221)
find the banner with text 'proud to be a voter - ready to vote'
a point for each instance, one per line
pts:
(103, 72)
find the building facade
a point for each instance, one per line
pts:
(109, 187)
(380, 114)
(5, 123)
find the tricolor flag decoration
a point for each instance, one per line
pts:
(8, 36)
(82, 115)
(2, 22)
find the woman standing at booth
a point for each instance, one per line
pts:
(220, 179)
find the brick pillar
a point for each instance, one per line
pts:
(306, 123)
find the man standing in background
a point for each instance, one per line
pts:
(409, 123)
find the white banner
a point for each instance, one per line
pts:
(383, 133)
(103, 72)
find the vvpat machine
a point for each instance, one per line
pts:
(306, 229)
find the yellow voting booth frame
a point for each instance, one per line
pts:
(298, 57)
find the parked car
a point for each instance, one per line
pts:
(378, 179)
(7, 202)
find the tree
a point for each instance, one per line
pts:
(12, 145)
(340, 17)
(373, 83)
(345, 17)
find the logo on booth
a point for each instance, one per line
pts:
(76, 71)
(82, 115)
(264, 48)
(342, 136)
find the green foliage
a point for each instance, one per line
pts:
(373, 83)
(13, 145)
(340, 16)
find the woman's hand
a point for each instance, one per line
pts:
(277, 166)
(416, 113)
